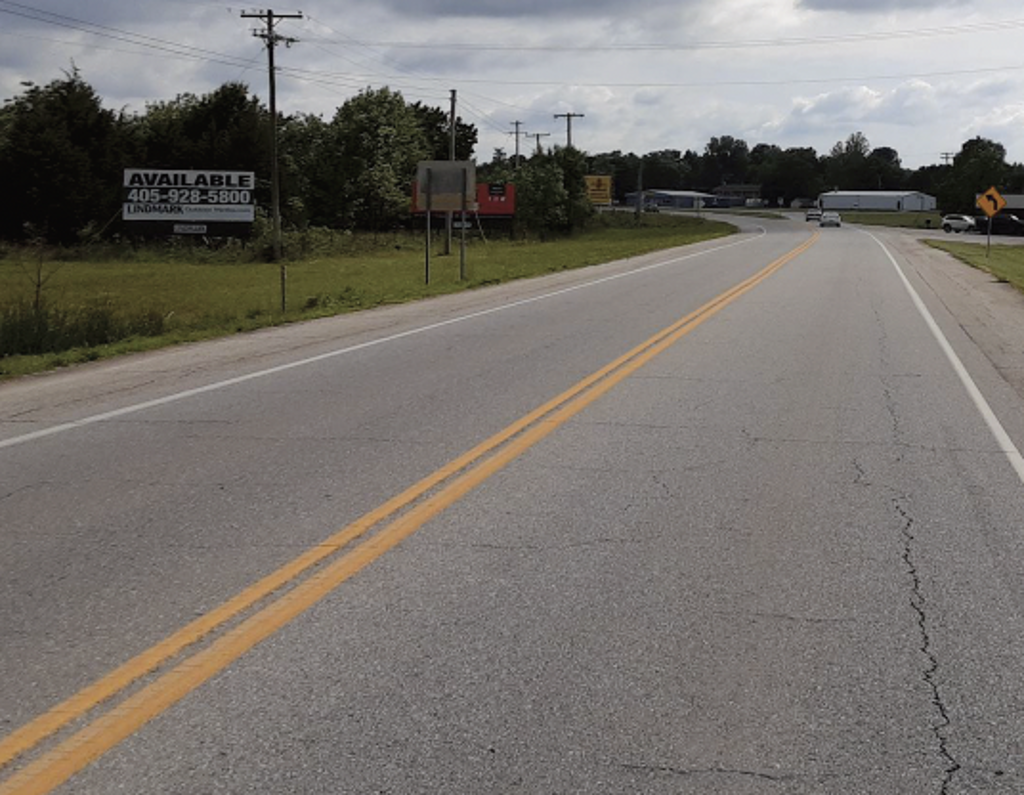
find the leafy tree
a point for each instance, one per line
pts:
(928, 179)
(437, 129)
(979, 165)
(226, 129)
(790, 175)
(665, 169)
(541, 197)
(62, 155)
(500, 169)
(725, 161)
(573, 165)
(551, 192)
(847, 166)
(381, 140)
(621, 168)
(884, 163)
(302, 146)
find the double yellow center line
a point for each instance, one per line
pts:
(307, 579)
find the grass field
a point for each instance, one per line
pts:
(1005, 263)
(186, 297)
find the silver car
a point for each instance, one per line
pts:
(957, 223)
(830, 219)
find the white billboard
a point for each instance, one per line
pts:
(188, 196)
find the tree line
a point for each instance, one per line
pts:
(789, 175)
(62, 155)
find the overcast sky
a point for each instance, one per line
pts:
(920, 76)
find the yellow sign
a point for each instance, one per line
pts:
(991, 202)
(599, 189)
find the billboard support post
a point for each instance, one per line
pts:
(430, 191)
(462, 228)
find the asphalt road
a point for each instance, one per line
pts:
(778, 550)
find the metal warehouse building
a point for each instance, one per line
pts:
(678, 199)
(880, 200)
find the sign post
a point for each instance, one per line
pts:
(430, 192)
(990, 202)
(448, 183)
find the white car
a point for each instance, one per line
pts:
(813, 214)
(830, 219)
(957, 223)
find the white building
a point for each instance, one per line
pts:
(677, 199)
(877, 200)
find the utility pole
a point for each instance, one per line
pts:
(639, 189)
(947, 157)
(515, 163)
(272, 39)
(537, 137)
(451, 156)
(568, 125)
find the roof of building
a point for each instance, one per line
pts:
(680, 193)
(892, 193)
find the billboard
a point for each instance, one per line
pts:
(171, 201)
(599, 190)
(447, 180)
(492, 199)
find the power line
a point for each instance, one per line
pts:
(117, 34)
(792, 41)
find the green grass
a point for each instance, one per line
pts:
(1005, 263)
(926, 220)
(221, 295)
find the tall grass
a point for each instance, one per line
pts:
(61, 307)
(1004, 262)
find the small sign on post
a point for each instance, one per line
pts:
(445, 186)
(990, 202)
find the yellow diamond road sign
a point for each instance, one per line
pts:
(991, 202)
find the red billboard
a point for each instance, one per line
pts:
(493, 200)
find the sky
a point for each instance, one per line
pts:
(919, 76)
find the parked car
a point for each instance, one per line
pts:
(813, 214)
(830, 219)
(1002, 224)
(958, 223)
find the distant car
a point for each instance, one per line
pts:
(1002, 224)
(813, 214)
(957, 223)
(830, 219)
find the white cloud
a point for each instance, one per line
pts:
(664, 74)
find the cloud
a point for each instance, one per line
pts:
(876, 6)
(519, 9)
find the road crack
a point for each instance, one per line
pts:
(707, 771)
(930, 676)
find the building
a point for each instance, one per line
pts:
(675, 199)
(738, 196)
(877, 201)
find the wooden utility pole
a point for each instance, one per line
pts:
(537, 137)
(515, 163)
(568, 125)
(272, 39)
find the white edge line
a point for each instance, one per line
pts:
(1002, 438)
(188, 393)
